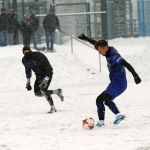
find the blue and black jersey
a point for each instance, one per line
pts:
(115, 66)
(38, 63)
(117, 73)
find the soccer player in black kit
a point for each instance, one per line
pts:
(38, 63)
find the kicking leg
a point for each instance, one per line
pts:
(112, 106)
(42, 92)
(57, 92)
(51, 103)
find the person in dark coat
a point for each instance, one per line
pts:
(34, 23)
(118, 81)
(26, 30)
(11, 27)
(4, 26)
(16, 28)
(50, 24)
(38, 63)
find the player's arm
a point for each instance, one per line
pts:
(131, 69)
(28, 76)
(28, 72)
(85, 38)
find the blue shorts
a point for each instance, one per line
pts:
(115, 88)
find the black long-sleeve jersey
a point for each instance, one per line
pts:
(38, 63)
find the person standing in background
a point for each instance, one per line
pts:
(4, 25)
(16, 29)
(26, 29)
(11, 27)
(34, 24)
(50, 24)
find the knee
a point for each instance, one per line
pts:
(107, 102)
(39, 94)
(99, 100)
(104, 98)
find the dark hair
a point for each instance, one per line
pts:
(101, 43)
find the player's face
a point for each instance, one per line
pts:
(102, 50)
(26, 52)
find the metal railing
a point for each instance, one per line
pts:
(72, 46)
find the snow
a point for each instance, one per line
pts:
(25, 125)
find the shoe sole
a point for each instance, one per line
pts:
(119, 120)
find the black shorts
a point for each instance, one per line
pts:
(37, 89)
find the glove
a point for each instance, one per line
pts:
(137, 79)
(44, 83)
(82, 37)
(28, 86)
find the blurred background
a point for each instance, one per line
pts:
(98, 19)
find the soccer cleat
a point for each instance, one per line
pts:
(60, 94)
(99, 125)
(52, 110)
(119, 118)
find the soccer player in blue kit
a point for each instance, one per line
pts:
(118, 82)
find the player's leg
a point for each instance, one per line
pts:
(100, 109)
(114, 90)
(49, 97)
(57, 91)
(112, 106)
(39, 92)
(48, 94)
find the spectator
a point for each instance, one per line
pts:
(16, 29)
(4, 25)
(50, 24)
(26, 29)
(11, 27)
(34, 23)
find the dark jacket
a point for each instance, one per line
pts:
(16, 22)
(11, 25)
(26, 26)
(34, 22)
(51, 22)
(4, 22)
(38, 63)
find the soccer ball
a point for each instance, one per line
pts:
(88, 123)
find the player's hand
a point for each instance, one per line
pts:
(44, 83)
(28, 86)
(82, 36)
(137, 79)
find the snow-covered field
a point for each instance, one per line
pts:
(25, 125)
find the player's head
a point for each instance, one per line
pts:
(102, 47)
(26, 50)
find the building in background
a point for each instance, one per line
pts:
(120, 20)
(143, 17)
(1, 3)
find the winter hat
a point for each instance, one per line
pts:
(26, 48)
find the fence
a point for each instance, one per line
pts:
(84, 51)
